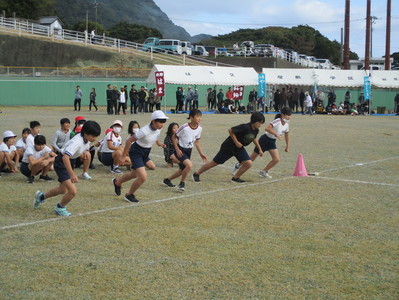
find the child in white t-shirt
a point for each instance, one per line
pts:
(21, 143)
(139, 147)
(184, 140)
(9, 156)
(75, 147)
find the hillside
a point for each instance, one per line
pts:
(109, 12)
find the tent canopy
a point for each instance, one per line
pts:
(331, 78)
(204, 75)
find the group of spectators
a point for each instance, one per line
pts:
(141, 101)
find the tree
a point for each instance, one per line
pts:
(28, 9)
(81, 26)
(133, 32)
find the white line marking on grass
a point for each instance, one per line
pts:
(357, 181)
(237, 186)
(358, 164)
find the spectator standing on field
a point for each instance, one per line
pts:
(195, 99)
(93, 99)
(134, 100)
(78, 98)
(189, 99)
(108, 93)
(114, 99)
(302, 97)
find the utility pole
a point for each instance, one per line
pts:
(367, 50)
(96, 5)
(371, 36)
(388, 38)
(347, 30)
(87, 21)
(341, 56)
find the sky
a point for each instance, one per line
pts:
(327, 16)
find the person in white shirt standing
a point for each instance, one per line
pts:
(308, 103)
(139, 154)
(184, 140)
(122, 101)
(63, 163)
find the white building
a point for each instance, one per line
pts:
(375, 63)
(54, 23)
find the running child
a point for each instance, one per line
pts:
(267, 141)
(240, 136)
(78, 145)
(169, 150)
(37, 159)
(139, 154)
(133, 128)
(184, 140)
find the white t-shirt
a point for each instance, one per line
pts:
(116, 142)
(21, 144)
(122, 98)
(75, 147)
(146, 136)
(30, 140)
(278, 128)
(31, 151)
(4, 148)
(188, 135)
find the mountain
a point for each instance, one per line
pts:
(200, 37)
(111, 12)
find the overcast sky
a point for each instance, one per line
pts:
(219, 17)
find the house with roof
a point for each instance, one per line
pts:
(53, 22)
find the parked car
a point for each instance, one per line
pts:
(211, 50)
(154, 44)
(324, 63)
(199, 50)
(266, 50)
(186, 48)
(280, 53)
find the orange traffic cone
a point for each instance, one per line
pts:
(300, 169)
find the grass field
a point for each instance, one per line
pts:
(332, 236)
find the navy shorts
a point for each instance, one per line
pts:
(186, 155)
(60, 168)
(266, 144)
(106, 159)
(138, 156)
(222, 156)
(24, 168)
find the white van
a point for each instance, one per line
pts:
(170, 46)
(324, 63)
(186, 48)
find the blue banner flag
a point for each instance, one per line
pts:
(367, 88)
(262, 85)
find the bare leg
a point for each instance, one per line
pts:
(245, 165)
(141, 178)
(188, 166)
(126, 177)
(150, 165)
(275, 159)
(206, 167)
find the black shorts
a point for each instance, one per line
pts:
(139, 156)
(24, 168)
(266, 144)
(186, 155)
(106, 159)
(222, 156)
(60, 168)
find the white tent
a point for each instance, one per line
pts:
(385, 79)
(204, 75)
(308, 77)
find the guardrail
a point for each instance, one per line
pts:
(11, 71)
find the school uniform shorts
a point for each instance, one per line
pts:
(138, 155)
(186, 155)
(222, 156)
(266, 144)
(60, 168)
(106, 159)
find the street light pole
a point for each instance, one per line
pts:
(96, 5)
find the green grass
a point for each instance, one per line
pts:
(333, 236)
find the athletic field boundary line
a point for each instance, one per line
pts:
(142, 203)
(357, 181)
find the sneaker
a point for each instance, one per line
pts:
(117, 188)
(237, 180)
(62, 211)
(39, 198)
(86, 176)
(46, 178)
(168, 183)
(196, 177)
(130, 198)
(31, 179)
(235, 168)
(116, 171)
(264, 174)
(181, 186)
